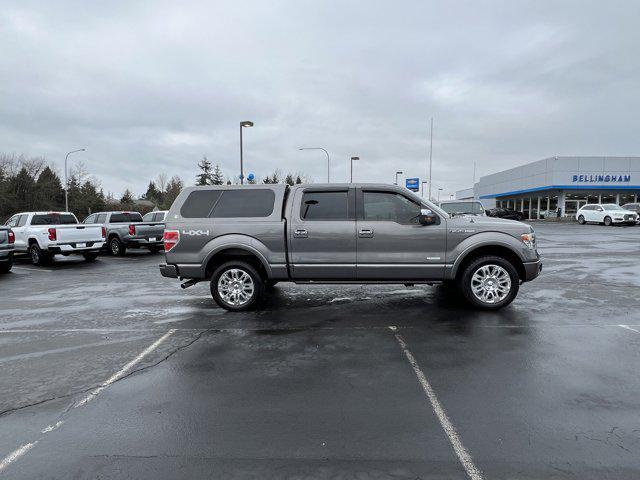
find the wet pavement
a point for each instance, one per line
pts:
(317, 385)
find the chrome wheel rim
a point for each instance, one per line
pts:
(491, 284)
(34, 256)
(115, 249)
(236, 287)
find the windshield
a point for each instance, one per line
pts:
(463, 207)
(612, 206)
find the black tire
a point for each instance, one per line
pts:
(466, 278)
(90, 256)
(581, 220)
(257, 283)
(5, 267)
(38, 256)
(116, 247)
(607, 221)
(154, 248)
(269, 284)
(519, 217)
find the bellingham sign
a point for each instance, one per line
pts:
(595, 178)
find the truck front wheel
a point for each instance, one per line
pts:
(236, 286)
(489, 282)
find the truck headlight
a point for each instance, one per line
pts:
(529, 239)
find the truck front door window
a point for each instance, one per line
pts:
(391, 207)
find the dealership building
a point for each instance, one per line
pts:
(565, 183)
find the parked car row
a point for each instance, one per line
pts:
(607, 214)
(42, 235)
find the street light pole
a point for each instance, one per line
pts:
(430, 159)
(66, 181)
(352, 159)
(439, 190)
(326, 153)
(243, 124)
(422, 187)
(397, 173)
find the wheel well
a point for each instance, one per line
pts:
(32, 241)
(235, 254)
(495, 250)
(112, 235)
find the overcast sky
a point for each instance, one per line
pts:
(150, 87)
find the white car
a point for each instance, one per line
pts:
(605, 213)
(42, 235)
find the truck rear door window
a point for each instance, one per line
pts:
(325, 206)
(127, 217)
(54, 219)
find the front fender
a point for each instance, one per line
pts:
(486, 239)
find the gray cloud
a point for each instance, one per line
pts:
(150, 87)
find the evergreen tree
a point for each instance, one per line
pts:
(217, 178)
(126, 201)
(152, 192)
(174, 187)
(205, 177)
(289, 179)
(49, 194)
(22, 187)
(298, 180)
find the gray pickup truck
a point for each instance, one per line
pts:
(127, 230)
(7, 241)
(245, 239)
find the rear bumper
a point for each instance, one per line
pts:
(169, 271)
(144, 242)
(532, 270)
(68, 248)
(6, 255)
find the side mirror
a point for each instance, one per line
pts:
(427, 217)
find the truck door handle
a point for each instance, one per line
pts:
(365, 233)
(300, 233)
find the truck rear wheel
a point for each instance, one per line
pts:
(90, 256)
(489, 282)
(236, 286)
(38, 257)
(116, 247)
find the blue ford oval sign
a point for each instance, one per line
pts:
(250, 177)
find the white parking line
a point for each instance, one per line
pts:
(23, 449)
(29, 269)
(627, 327)
(463, 455)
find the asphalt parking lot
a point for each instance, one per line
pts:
(111, 371)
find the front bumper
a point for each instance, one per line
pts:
(532, 269)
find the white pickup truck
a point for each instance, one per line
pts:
(42, 235)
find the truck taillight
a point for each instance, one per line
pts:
(171, 239)
(12, 237)
(53, 235)
(132, 229)
(104, 232)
